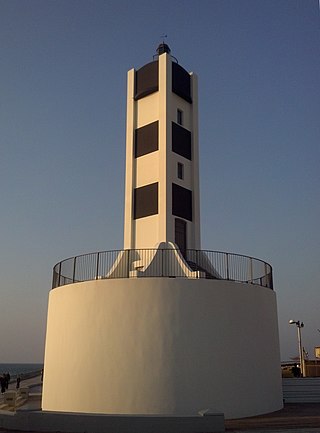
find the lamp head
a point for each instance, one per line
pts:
(291, 322)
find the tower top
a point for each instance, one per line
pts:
(163, 48)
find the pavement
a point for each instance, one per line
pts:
(293, 418)
(34, 401)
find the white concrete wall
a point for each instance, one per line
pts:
(130, 168)
(162, 346)
(40, 421)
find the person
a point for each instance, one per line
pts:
(2, 384)
(6, 378)
(18, 382)
(296, 371)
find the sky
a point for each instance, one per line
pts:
(63, 69)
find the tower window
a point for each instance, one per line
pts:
(179, 117)
(181, 82)
(180, 231)
(181, 202)
(181, 141)
(146, 81)
(180, 171)
(146, 139)
(145, 201)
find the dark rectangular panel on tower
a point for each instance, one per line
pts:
(181, 141)
(181, 83)
(146, 81)
(181, 202)
(145, 201)
(146, 139)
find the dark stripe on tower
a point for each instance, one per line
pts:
(181, 202)
(181, 141)
(145, 201)
(146, 81)
(146, 139)
(181, 82)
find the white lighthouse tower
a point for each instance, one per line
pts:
(162, 327)
(162, 168)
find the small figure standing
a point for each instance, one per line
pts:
(296, 371)
(18, 382)
(7, 379)
(2, 384)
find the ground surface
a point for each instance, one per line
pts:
(293, 418)
(302, 416)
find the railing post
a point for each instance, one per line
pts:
(269, 277)
(128, 262)
(266, 274)
(74, 269)
(59, 275)
(251, 271)
(162, 263)
(97, 267)
(54, 278)
(227, 263)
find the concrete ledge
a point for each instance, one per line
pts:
(94, 423)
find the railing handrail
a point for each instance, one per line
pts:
(154, 249)
(232, 254)
(149, 262)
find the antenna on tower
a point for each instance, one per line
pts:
(163, 36)
(164, 48)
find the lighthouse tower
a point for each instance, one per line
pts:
(162, 327)
(162, 168)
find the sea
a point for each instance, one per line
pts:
(20, 369)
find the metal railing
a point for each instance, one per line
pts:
(162, 263)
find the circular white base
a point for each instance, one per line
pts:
(162, 346)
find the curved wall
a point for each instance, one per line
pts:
(162, 346)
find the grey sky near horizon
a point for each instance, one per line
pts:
(62, 142)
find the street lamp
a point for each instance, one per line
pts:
(299, 326)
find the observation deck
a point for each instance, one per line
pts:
(164, 261)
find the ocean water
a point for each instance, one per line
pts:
(21, 369)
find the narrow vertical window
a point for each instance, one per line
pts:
(181, 235)
(179, 116)
(180, 171)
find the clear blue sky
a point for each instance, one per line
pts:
(63, 72)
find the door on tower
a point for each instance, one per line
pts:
(181, 235)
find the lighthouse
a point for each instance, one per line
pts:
(162, 157)
(162, 327)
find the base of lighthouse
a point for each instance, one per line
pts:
(162, 346)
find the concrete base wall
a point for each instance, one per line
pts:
(162, 346)
(79, 423)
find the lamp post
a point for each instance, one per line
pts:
(299, 326)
